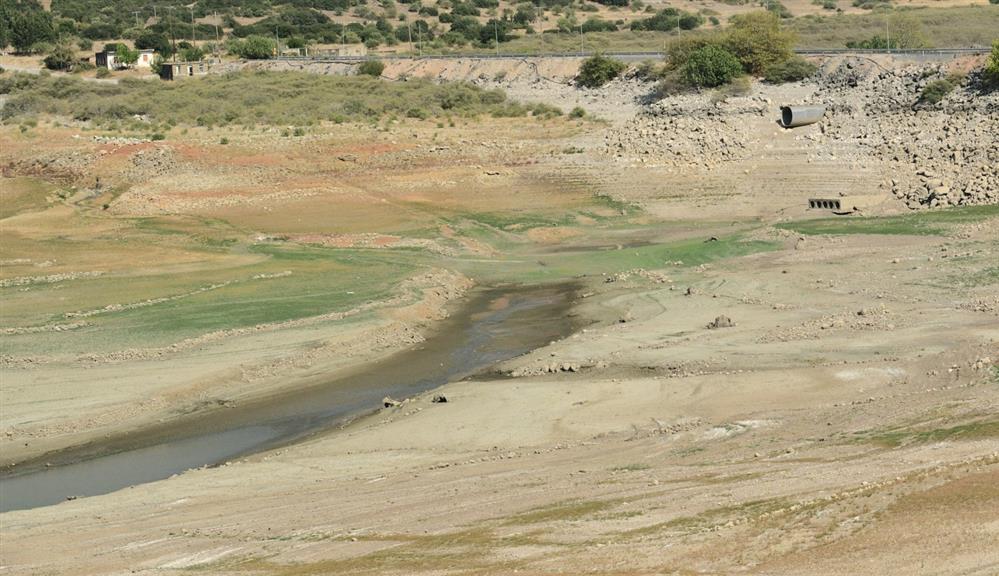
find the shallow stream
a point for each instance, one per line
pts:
(495, 325)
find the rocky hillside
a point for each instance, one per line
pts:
(877, 136)
(936, 154)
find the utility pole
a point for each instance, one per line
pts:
(173, 37)
(887, 32)
(541, 33)
(419, 34)
(496, 34)
(194, 32)
(136, 18)
(409, 29)
(218, 37)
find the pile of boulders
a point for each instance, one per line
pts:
(936, 154)
(687, 132)
(152, 162)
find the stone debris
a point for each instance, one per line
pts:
(937, 155)
(923, 155)
(721, 322)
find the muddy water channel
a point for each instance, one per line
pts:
(496, 324)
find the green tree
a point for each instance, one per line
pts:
(907, 32)
(62, 57)
(30, 27)
(126, 56)
(758, 41)
(598, 70)
(494, 30)
(192, 54)
(152, 40)
(711, 66)
(253, 48)
(156, 65)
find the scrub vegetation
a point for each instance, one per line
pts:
(269, 98)
(915, 224)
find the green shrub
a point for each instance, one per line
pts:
(157, 136)
(371, 68)
(577, 112)
(669, 19)
(990, 76)
(62, 57)
(103, 73)
(598, 70)
(872, 4)
(681, 49)
(299, 131)
(779, 9)
(223, 141)
(418, 113)
(248, 98)
(597, 24)
(253, 48)
(793, 70)
(935, 91)
(711, 66)
(542, 110)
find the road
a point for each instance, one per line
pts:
(936, 53)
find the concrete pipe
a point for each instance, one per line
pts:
(793, 116)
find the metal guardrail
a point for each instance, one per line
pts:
(621, 55)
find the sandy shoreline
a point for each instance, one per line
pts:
(236, 376)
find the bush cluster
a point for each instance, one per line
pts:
(253, 48)
(371, 68)
(756, 43)
(711, 66)
(598, 70)
(990, 75)
(251, 98)
(668, 20)
(937, 90)
(793, 70)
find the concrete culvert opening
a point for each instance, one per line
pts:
(793, 116)
(786, 116)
